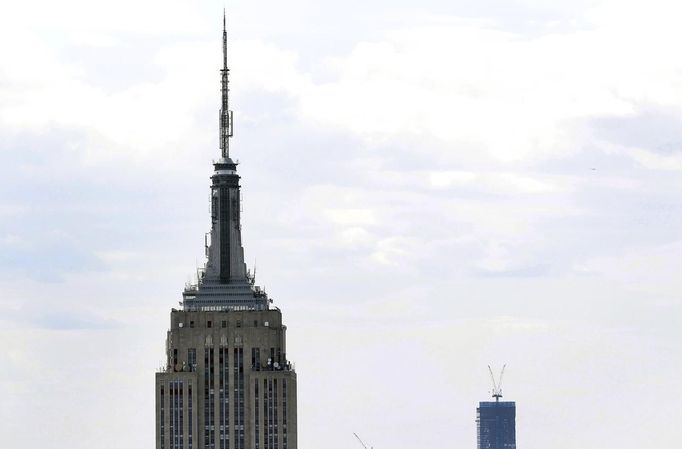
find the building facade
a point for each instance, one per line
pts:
(227, 382)
(496, 425)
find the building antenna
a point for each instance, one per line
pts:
(497, 386)
(225, 113)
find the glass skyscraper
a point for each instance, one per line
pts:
(496, 425)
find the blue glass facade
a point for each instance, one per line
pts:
(496, 425)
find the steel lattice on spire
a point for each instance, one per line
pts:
(225, 113)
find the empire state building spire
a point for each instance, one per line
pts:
(225, 113)
(227, 381)
(224, 283)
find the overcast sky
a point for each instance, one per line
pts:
(429, 187)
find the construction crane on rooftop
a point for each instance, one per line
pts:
(497, 386)
(363, 444)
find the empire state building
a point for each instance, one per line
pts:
(227, 383)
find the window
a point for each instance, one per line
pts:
(191, 324)
(208, 324)
(223, 324)
(239, 323)
(192, 359)
(209, 399)
(190, 416)
(255, 323)
(163, 421)
(256, 403)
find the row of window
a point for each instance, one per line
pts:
(209, 398)
(270, 404)
(223, 324)
(276, 361)
(224, 399)
(177, 415)
(239, 391)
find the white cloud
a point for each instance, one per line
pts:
(655, 161)
(508, 98)
(653, 269)
(355, 236)
(350, 216)
(445, 179)
(501, 183)
(144, 120)
(396, 251)
(513, 99)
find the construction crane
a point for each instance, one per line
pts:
(497, 386)
(363, 444)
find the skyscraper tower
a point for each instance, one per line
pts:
(227, 383)
(496, 421)
(496, 425)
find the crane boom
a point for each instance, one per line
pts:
(492, 378)
(497, 386)
(363, 444)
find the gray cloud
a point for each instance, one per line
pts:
(654, 127)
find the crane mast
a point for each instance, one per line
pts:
(497, 386)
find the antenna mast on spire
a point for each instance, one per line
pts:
(225, 113)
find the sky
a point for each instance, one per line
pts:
(429, 187)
